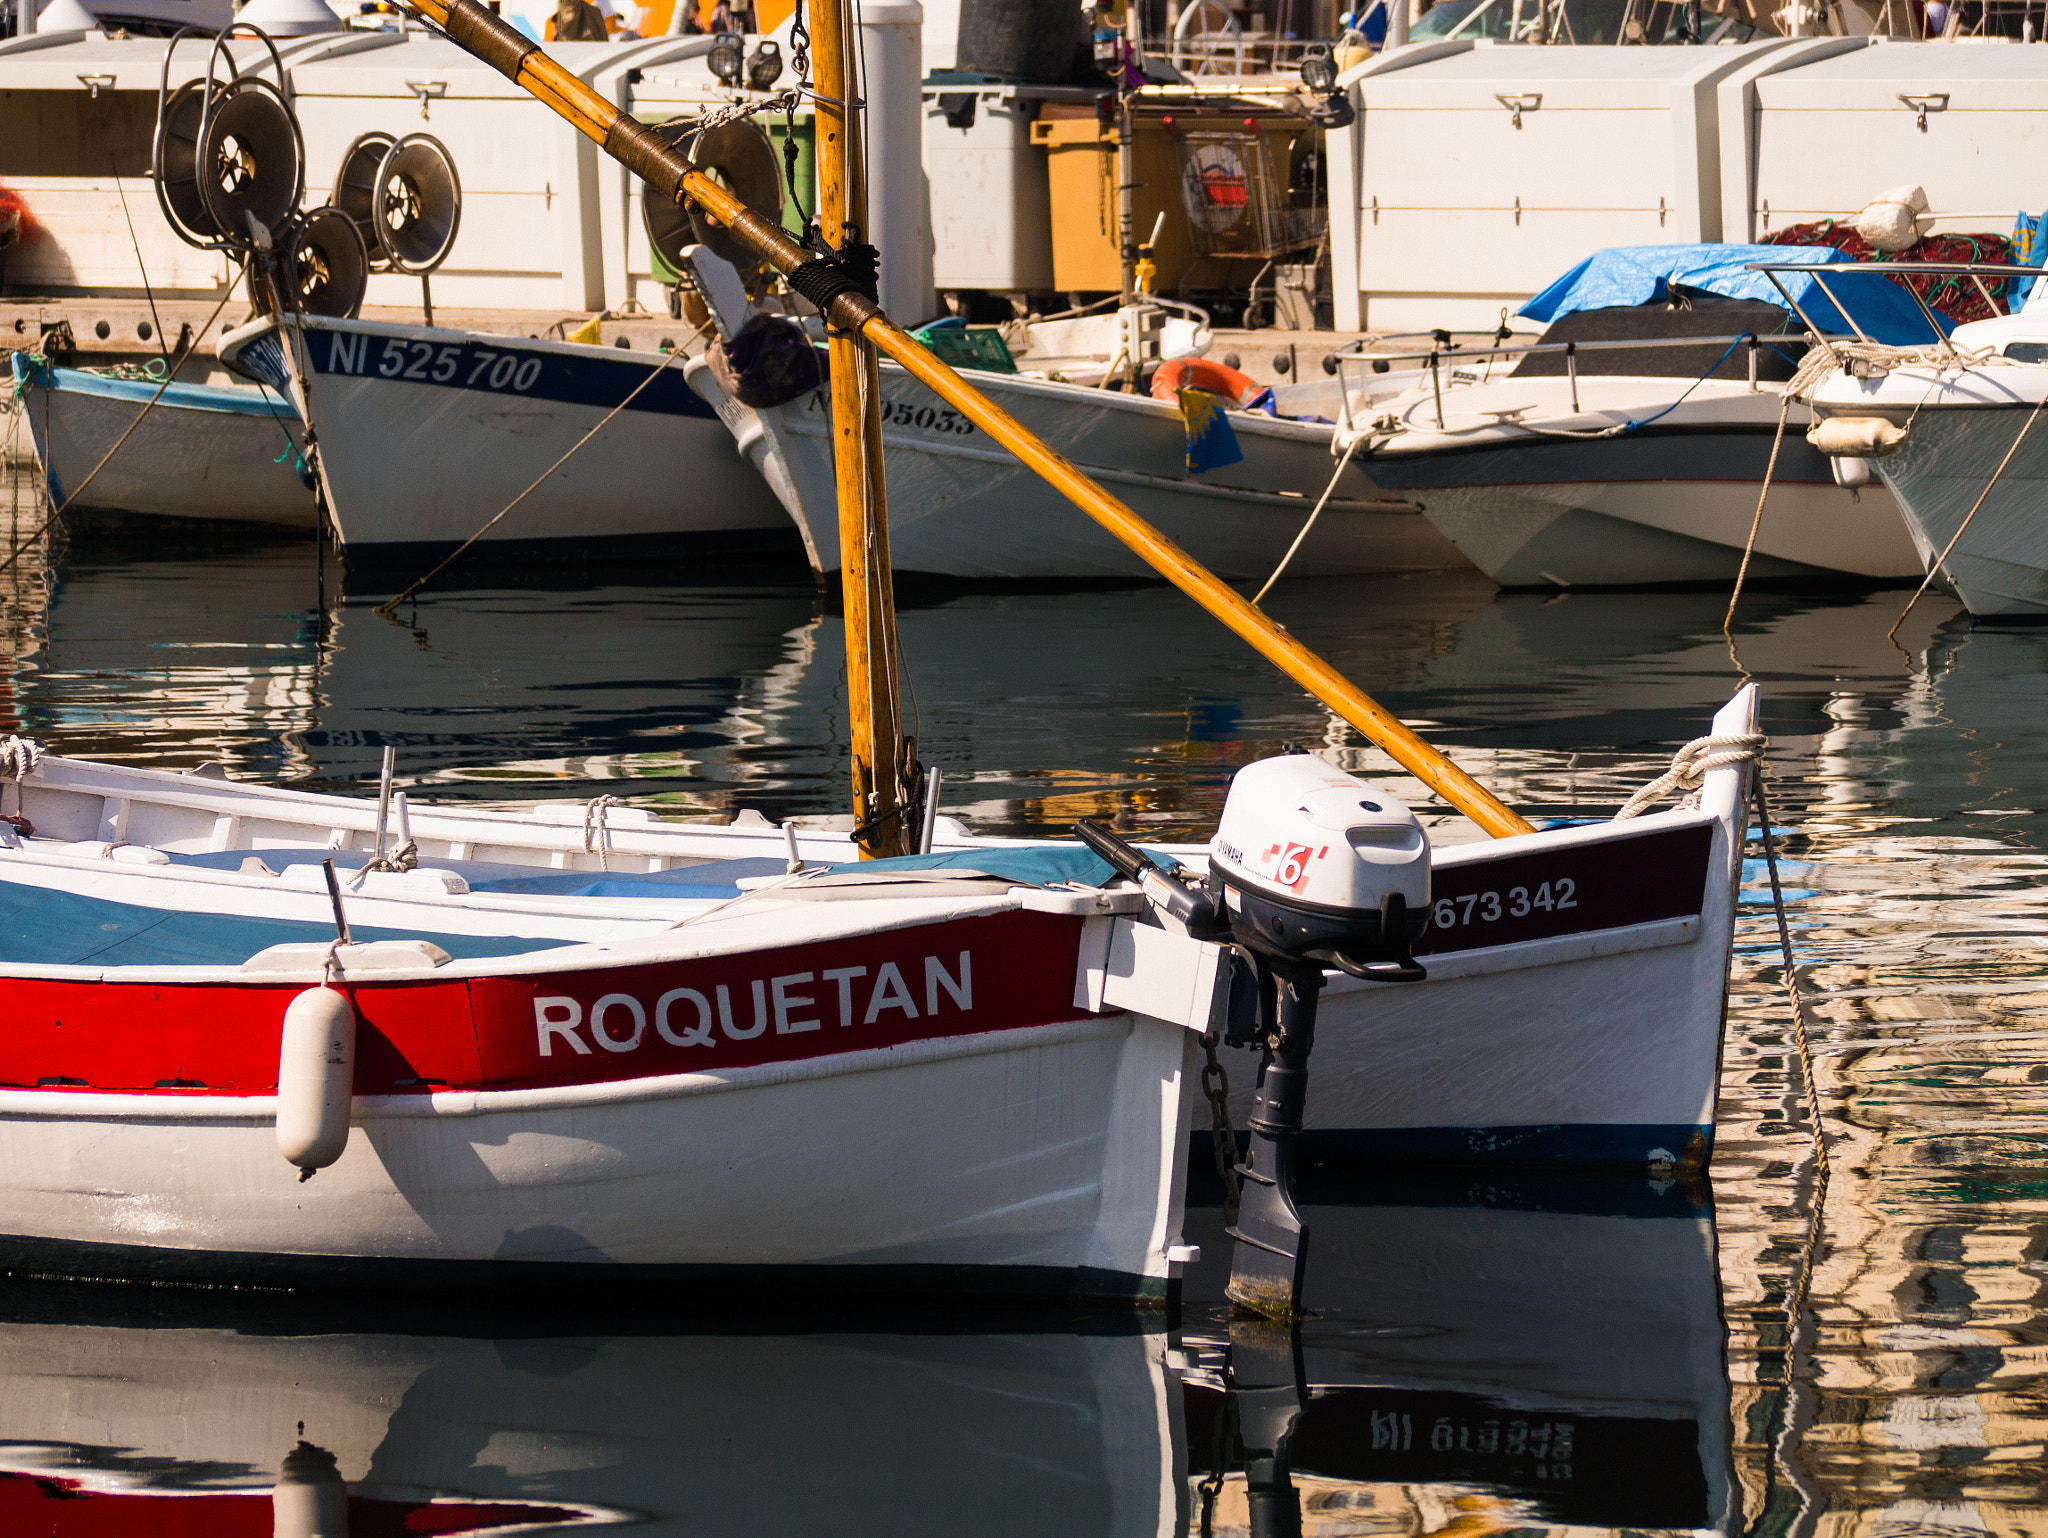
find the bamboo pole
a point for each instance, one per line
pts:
(865, 579)
(472, 26)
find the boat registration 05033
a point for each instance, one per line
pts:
(920, 416)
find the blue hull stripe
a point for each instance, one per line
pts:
(503, 366)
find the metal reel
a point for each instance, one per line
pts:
(741, 158)
(355, 191)
(417, 203)
(251, 161)
(326, 266)
(175, 166)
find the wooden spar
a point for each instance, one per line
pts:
(866, 581)
(472, 26)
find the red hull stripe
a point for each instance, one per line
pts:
(1004, 971)
(61, 1508)
(1573, 890)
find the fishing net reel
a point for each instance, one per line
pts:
(739, 157)
(404, 197)
(228, 160)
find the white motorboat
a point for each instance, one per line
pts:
(426, 434)
(1630, 446)
(231, 453)
(1953, 432)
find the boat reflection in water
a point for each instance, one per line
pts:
(1518, 1359)
(112, 1431)
(1515, 1366)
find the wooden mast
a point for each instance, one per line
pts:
(670, 174)
(864, 571)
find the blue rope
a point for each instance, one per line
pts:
(1631, 426)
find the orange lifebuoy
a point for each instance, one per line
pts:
(1201, 374)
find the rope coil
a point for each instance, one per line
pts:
(597, 834)
(20, 756)
(1689, 767)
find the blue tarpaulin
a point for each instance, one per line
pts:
(1633, 275)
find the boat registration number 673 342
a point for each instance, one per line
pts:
(1568, 889)
(1491, 907)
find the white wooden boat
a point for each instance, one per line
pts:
(535, 1103)
(1962, 420)
(425, 434)
(586, 1082)
(962, 507)
(230, 453)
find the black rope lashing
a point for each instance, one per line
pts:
(855, 268)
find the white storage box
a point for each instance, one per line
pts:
(1476, 172)
(1831, 133)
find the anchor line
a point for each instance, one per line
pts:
(1941, 561)
(390, 606)
(1756, 523)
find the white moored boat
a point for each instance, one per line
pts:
(1630, 446)
(961, 506)
(220, 452)
(1952, 430)
(426, 434)
(876, 1086)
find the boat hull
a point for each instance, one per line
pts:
(1999, 565)
(1650, 508)
(216, 453)
(426, 435)
(960, 506)
(945, 1118)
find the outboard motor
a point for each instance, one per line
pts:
(1310, 868)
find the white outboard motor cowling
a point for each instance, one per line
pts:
(1317, 863)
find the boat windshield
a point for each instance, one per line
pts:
(1578, 21)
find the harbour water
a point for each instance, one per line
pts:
(1768, 1351)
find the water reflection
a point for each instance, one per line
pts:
(1874, 1360)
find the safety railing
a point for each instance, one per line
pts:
(1431, 361)
(1822, 272)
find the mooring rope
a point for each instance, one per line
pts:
(1935, 566)
(390, 606)
(597, 834)
(1689, 765)
(1756, 523)
(1321, 502)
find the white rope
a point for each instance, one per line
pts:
(19, 756)
(404, 858)
(597, 835)
(1689, 765)
(1321, 503)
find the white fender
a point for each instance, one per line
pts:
(1855, 437)
(316, 1065)
(309, 1499)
